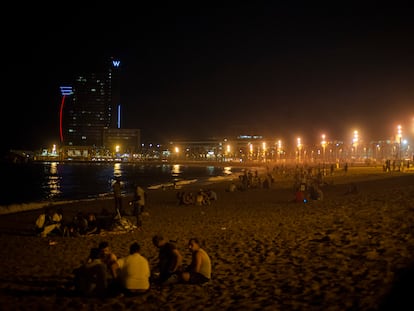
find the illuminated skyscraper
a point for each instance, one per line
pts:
(95, 107)
(114, 71)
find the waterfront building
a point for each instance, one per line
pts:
(90, 120)
(92, 108)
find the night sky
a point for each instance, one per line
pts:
(195, 72)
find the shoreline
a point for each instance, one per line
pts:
(355, 172)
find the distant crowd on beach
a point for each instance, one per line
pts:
(308, 183)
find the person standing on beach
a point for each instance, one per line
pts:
(118, 197)
(169, 260)
(199, 271)
(139, 205)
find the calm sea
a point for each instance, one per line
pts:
(53, 181)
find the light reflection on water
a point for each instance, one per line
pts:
(53, 182)
(71, 181)
(117, 170)
(176, 171)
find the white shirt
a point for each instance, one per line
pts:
(134, 271)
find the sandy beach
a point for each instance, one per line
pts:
(346, 252)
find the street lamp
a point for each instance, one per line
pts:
(323, 143)
(279, 148)
(399, 137)
(228, 150)
(299, 145)
(177, 151)
(355, 143)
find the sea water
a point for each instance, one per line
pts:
(40, 182)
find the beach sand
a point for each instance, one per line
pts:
(346, 252)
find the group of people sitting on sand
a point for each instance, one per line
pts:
(50, 222)
(103, 274)
(201, 197)
(304, 193)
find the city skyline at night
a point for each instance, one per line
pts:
(277, 70)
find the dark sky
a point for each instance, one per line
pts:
(280, 70)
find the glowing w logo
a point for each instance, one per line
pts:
(116, 63)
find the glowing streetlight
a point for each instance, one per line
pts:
(299, 145)
(355, 142)
(399, 138)
(228, 150)
(323, 143)
(279, 148)
(264, 151)
(177, 151)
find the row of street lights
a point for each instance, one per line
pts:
(302, 152)
(355, 141)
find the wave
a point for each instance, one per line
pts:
(177, 184)
(172, 185)
(220, 178)
(30, 206)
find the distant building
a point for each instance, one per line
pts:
(122, 140)
(91, 116)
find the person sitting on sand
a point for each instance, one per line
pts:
(169, 260)
(202, 198)
(232, 187)
(108, 258)
(134, 272)
(92, 224)
(315, 192)
(185, 198)
(212, 195)
(301, 194)
(199, 271)
(90, 278)
(49, 222)
(188, 198)
(79, 224)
